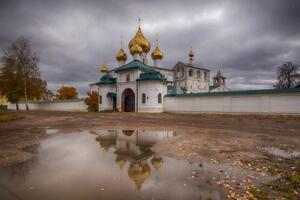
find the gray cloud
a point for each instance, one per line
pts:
(246, 39)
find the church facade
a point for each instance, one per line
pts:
(140, 86)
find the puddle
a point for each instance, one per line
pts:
(280, 152)
(106, 164)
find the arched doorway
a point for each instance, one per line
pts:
(128, 101)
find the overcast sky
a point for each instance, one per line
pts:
(246, 39)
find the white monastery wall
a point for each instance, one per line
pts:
(286, 103)
(58, 105)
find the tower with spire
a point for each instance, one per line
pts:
(219, 84)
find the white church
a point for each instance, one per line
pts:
(140, 85)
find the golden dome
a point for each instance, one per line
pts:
(191, 54)
(120, 161)
(121, 55)
(104, 69)
(136, 49)
(139, 173)
(140, 39)
(157, 162)
(157, 54)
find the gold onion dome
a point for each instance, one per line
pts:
(136, 48)
(140, 39)
(138, 174)
(157, 162)
(191, 53)
(104, 69)
(121, 55)
(157, 54)
(120, 161)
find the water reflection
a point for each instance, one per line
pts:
(72, 166)
(134, 146)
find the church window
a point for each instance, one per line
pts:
(127, 77)
(198, 74)
(190, 72)
(143, 98)
(159, 98)
(100, 99)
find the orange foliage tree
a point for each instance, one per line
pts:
(66, 92)
(92, 101)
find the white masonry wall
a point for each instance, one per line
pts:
(57, 105)
(260, 103)
(151, 89)
(107, 101)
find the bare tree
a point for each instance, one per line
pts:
(19, 74)
(287, 76)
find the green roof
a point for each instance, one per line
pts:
(107, 79)
(212, 87)
(241, 92)
(135, 64)
(113, 94)
(152, 76)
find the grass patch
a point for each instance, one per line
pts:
(5, 116)
(289, 186)
(258, 194)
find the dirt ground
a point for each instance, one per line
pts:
(252, 153)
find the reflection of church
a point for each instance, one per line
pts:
(134, 147)
(138, 86)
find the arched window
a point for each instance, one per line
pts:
(190, 72)
(198, 74)
(143, 98)
(159, 100)
(100, 99)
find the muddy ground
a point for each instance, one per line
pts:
(252, 153)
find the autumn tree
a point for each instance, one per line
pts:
(92, 101)
(66, 92)
(19, 73)
(287, 75)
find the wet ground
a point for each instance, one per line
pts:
(64, 155)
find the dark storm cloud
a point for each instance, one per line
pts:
(246, 39)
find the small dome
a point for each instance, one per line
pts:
(120, 161)
(138, 173)
(157, 54)
(104, 69)
(136, 49)
(157, 162)
(121, 55)
(191, 53)
(141, 40)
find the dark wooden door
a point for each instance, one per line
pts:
(129, 103)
